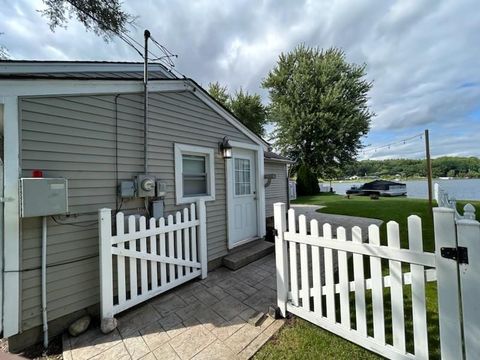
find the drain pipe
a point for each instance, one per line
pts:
(145, 101)
(44, 282)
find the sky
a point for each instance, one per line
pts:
(423, 56)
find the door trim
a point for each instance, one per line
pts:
(259, 188)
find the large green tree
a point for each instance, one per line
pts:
(105, 18)
(319, 107)
(248, 108)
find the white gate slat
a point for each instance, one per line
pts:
(384, 252)
(468, 231)
(133, 262)
(396, 288)
(419, 306)
(143, 263)
(193, 233)
(343, 281)
(359, 279)
(186, 241)
(377, 288)
(122, 292)
(316, 271)
(329, 272)
(302, 227)
(171, 249)
(293, 258)
(163, 252)
(178, 239)
(153, 250)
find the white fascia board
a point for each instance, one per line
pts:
(78, 87)
(11, 281)
(207, 99)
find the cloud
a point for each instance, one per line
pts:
(423, 56)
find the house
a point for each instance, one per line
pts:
(84, 122)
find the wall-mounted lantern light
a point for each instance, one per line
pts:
(226, 148)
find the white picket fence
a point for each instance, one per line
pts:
(313, 282)
(140, 262)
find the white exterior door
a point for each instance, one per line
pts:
(243, 223)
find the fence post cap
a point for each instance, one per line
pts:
(469, 211)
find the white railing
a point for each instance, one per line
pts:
(307, 285)
(147, 261)
(445, 200)
(292, 190)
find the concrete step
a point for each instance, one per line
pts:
(248, 253)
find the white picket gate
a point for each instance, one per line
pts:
(313, 282)
(143, 262)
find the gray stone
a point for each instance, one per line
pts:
(274, 312)
(256, 318)
(108, 325)
(79, 326)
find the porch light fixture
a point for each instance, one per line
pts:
(226, 148)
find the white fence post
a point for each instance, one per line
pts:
(468, 232)
(281, 256)
(106, 277)
(202, 237)
(447, 285)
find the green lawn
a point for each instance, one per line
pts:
(300, 339)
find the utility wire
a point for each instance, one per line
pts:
(369, 149)
(71, 261)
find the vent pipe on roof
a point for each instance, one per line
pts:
(145, 101)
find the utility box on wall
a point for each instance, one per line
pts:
(43, 196)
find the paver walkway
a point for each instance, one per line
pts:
(204, 319)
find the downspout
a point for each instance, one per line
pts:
(145, 101)
(44, 282)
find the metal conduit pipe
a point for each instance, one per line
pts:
(44, 282)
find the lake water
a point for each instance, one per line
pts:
(467, 189)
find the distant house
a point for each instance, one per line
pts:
(84, 122)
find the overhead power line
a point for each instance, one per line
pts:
(370, 149)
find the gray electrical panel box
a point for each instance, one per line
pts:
(127, 189)
(43, 196)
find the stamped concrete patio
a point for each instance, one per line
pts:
(204, 319)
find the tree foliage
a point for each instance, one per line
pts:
(219, 93)
(104, 17)
(442, 166)
(307, 181)
(4, 55)
(248, 108)
(319, 106)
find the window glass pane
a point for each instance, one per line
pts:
(195, 185)
(193, 164)
(242, 177)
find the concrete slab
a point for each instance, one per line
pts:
(247, 254)
(310, 212)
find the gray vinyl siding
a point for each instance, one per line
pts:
(74, 137)
(277, 190)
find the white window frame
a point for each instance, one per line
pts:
(209, 153)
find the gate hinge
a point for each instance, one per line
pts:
(275, 232)
(460, 254)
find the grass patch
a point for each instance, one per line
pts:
(300, 339)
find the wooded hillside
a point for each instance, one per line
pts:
(442, 166)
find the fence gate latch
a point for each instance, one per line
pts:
(460, 254)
